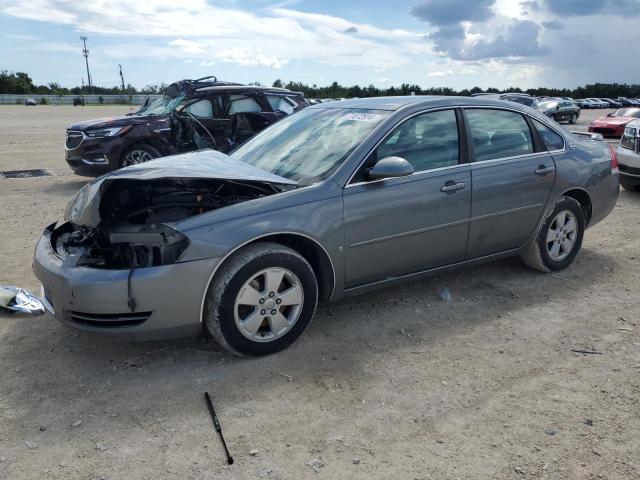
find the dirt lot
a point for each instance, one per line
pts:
(393, 384)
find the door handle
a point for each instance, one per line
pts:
(543, 170)
(451, 187)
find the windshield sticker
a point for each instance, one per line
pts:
(362, 117)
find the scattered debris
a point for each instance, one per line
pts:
(521, 471)
(587, 352)
(17, 299)
(254, 452)
(217, 426)
(31, 445)
(444, 294)
(588, 423)
(288, 377)
(77, 423)
(551, 431)
(315, 465)
(265, 472)
(102, 446)
(626, 329)
(43, 428)
(355, 461)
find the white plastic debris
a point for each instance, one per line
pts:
(445, 295)
(19, 300)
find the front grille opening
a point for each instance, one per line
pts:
(109, 320)
(74, 139)
(38, 172)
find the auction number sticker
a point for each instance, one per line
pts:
(362, 117)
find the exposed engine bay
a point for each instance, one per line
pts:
(133, 231)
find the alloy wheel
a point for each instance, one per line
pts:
(562, 235)
(268, 305)
(134, 157)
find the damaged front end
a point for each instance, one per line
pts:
(125, 220)
(135, 230)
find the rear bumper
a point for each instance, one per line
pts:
(168, 299)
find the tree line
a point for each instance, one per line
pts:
(22, 83)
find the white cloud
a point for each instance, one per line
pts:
(440, 73)
(212, 33)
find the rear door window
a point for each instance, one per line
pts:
(201, 109)
(552, 140)
(498, 134)
(243, 104)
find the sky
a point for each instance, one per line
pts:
(458, 44)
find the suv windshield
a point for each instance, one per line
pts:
(162, 105)
(309, 145)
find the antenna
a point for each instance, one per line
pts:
(121, 77)
(85, 54)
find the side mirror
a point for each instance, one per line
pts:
(390, 167)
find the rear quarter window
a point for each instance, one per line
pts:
(552, 140)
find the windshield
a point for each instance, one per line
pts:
(627, 112)
(308, 146)
(162, 105)
(547, 104)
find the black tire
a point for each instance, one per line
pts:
(632, 186)
(574, 119)
(538, 256)
(219, 315)
(142, 147)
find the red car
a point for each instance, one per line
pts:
(613, 124)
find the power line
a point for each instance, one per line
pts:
(121, 77)
(85, 53)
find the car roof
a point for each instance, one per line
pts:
(399, 102)
(246, 88)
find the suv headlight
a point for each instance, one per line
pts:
(106, 132)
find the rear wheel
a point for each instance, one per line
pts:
(559, 237)
(574, 118)
(139, 154)
(261, 300)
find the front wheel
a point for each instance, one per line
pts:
(261, 300)
(139, 154)
(574, 119)
(559, 237)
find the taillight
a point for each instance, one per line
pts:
(614, 160)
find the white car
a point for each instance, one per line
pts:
(628, 153)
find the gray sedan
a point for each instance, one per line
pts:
(332, 201)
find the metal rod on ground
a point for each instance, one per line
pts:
(216, 424)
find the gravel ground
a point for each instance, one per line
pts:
(393, 384)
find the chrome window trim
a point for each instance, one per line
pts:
(397, 124)
(233, 250)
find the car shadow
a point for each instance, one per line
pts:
(340, 342)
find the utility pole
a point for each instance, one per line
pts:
(85, 54)
(121, 77)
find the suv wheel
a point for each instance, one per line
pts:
(559, 237)
(139, 154)
(261, 300)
